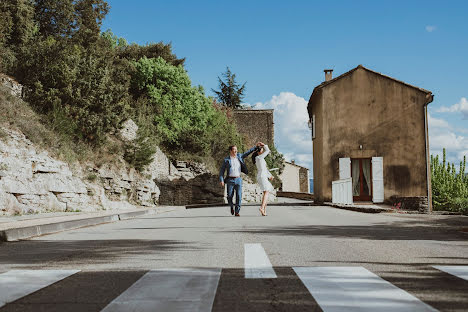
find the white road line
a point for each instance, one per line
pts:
(170, 290)
(460, 271)
(256, 262)
(16, 284)
(349, 289)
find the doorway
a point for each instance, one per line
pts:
(361, 173)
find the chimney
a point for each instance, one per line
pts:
(328, 74)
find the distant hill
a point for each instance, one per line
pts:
(311, 187)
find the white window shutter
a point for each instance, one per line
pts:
(345, 168)
(377, 180)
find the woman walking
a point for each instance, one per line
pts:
(263, 174)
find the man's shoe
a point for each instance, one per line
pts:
(232, 210)
(237, 215)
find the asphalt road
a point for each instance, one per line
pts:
(295, 259)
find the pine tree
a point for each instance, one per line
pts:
(230, 93)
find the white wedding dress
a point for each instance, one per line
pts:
(262, 171)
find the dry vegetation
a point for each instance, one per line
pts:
(18, 115)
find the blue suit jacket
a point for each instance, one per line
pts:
(227, 163)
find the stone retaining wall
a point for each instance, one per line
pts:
(418, 203)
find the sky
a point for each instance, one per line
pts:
(280, 49)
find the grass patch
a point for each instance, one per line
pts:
(91, 177)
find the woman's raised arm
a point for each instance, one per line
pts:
(265, 152)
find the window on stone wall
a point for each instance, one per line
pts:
(312, 126)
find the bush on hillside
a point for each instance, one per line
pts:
(185, 119)
(139, 152)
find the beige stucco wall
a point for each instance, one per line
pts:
(295, 178)
(290, 178)
(385, 117)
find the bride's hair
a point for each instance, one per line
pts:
(255, 154)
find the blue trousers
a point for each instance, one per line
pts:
(234, 185)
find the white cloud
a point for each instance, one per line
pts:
(463, 153)
(430, 28)
(448, 140)
(461, 106)
(292, 135)
(436, 123)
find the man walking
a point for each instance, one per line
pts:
(234, 164)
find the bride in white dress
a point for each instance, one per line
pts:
(263, 174)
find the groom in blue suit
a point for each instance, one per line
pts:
(234, 164)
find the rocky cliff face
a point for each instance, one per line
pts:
(32, 182)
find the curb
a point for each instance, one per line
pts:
(249, 205)
(15, 234)
(359, 209)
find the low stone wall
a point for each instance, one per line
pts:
(418, 203)
(204, 188)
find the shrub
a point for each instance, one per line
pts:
(449, 188)
(139, 152)
(184, 118)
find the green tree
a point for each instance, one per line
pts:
(134, 52)
(17, 29)
(184, 117)
(56, 18)
(90, 14)
(230, 93)
(449, 188)
(139, 153)
(71, 71)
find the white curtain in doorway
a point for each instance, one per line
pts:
(366, 173)
(356, 171)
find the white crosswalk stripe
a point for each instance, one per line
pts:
(349, 289)
(16, 284)
(256, 262)
(335, 289)
(170, 290)
(460, 271)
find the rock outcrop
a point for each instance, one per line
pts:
(14, 87)
(31, 181)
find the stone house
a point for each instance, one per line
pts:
(255, 125)
(294, 178)
(370, 140)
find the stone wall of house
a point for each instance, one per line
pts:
(364, 114)
(255, 125)
(304, 180)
